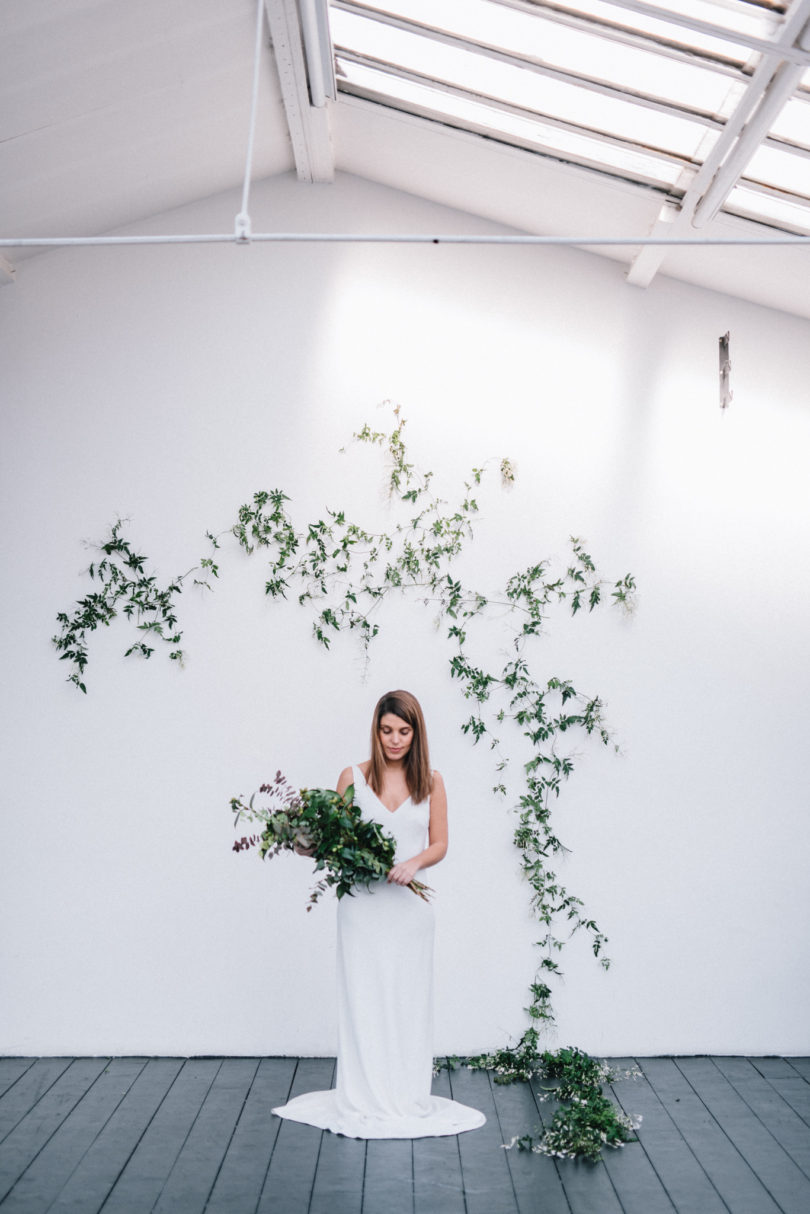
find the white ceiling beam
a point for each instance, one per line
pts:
(7, 272)
(779, 91)
(676, 215)
(790, 149)
(308, 124)
(726, 162)
(318, 51)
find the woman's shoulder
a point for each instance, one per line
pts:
(437, 783)
(346, 777)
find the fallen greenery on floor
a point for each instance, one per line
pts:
(586, 1121)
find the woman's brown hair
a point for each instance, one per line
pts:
(418, 774)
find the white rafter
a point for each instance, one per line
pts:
(308, 124)
(775, 78)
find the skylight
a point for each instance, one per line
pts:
(648, 91)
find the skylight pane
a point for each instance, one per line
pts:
(793, 123)
(643, 94)
(477, 115)
(519, 87)
(784, 170)
(778, 212)
(739, 17)
(661, 28)
(573, 50)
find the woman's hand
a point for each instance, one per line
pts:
(403, 874)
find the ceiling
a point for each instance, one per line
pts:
(112, 112)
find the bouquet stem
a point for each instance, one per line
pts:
(420, 889)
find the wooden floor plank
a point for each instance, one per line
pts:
(11, 1069)
(41, 1181)
(772, 1110)
(638, 1186)
(535, 1177)
(20, 1099)
(737, 1067)
(240, 1179)
(288, 1185)
(774, 1068)
(684, 1180)
(776, 1171)
(148, 1167)
(796, 1093)
(801, 1066)
(388, 1183)
(734, 1179)
(195, 1168)
(339, 1176)
(97, 1172)
(43, 1119)
(438, 1187)
(487, 1179)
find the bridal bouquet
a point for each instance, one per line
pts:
(351, 850)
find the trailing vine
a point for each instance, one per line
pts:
(121, 579)
(343, 573)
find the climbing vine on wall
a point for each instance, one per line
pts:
(342, 573)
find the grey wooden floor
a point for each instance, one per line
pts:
(129, 1135)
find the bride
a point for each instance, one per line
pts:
(385, 952)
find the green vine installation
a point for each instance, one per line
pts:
(343, 573)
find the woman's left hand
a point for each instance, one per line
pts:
(403, 874)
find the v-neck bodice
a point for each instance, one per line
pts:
(401, 805)
(408, 823)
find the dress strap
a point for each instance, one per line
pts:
(357, 773)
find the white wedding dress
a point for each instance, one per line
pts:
(385, 1004)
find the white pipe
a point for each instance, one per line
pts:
(242, 222)
(42, 242)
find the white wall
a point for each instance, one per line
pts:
(167, 385)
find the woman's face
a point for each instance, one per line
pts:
(395, 736)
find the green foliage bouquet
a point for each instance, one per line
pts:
(320, 822)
